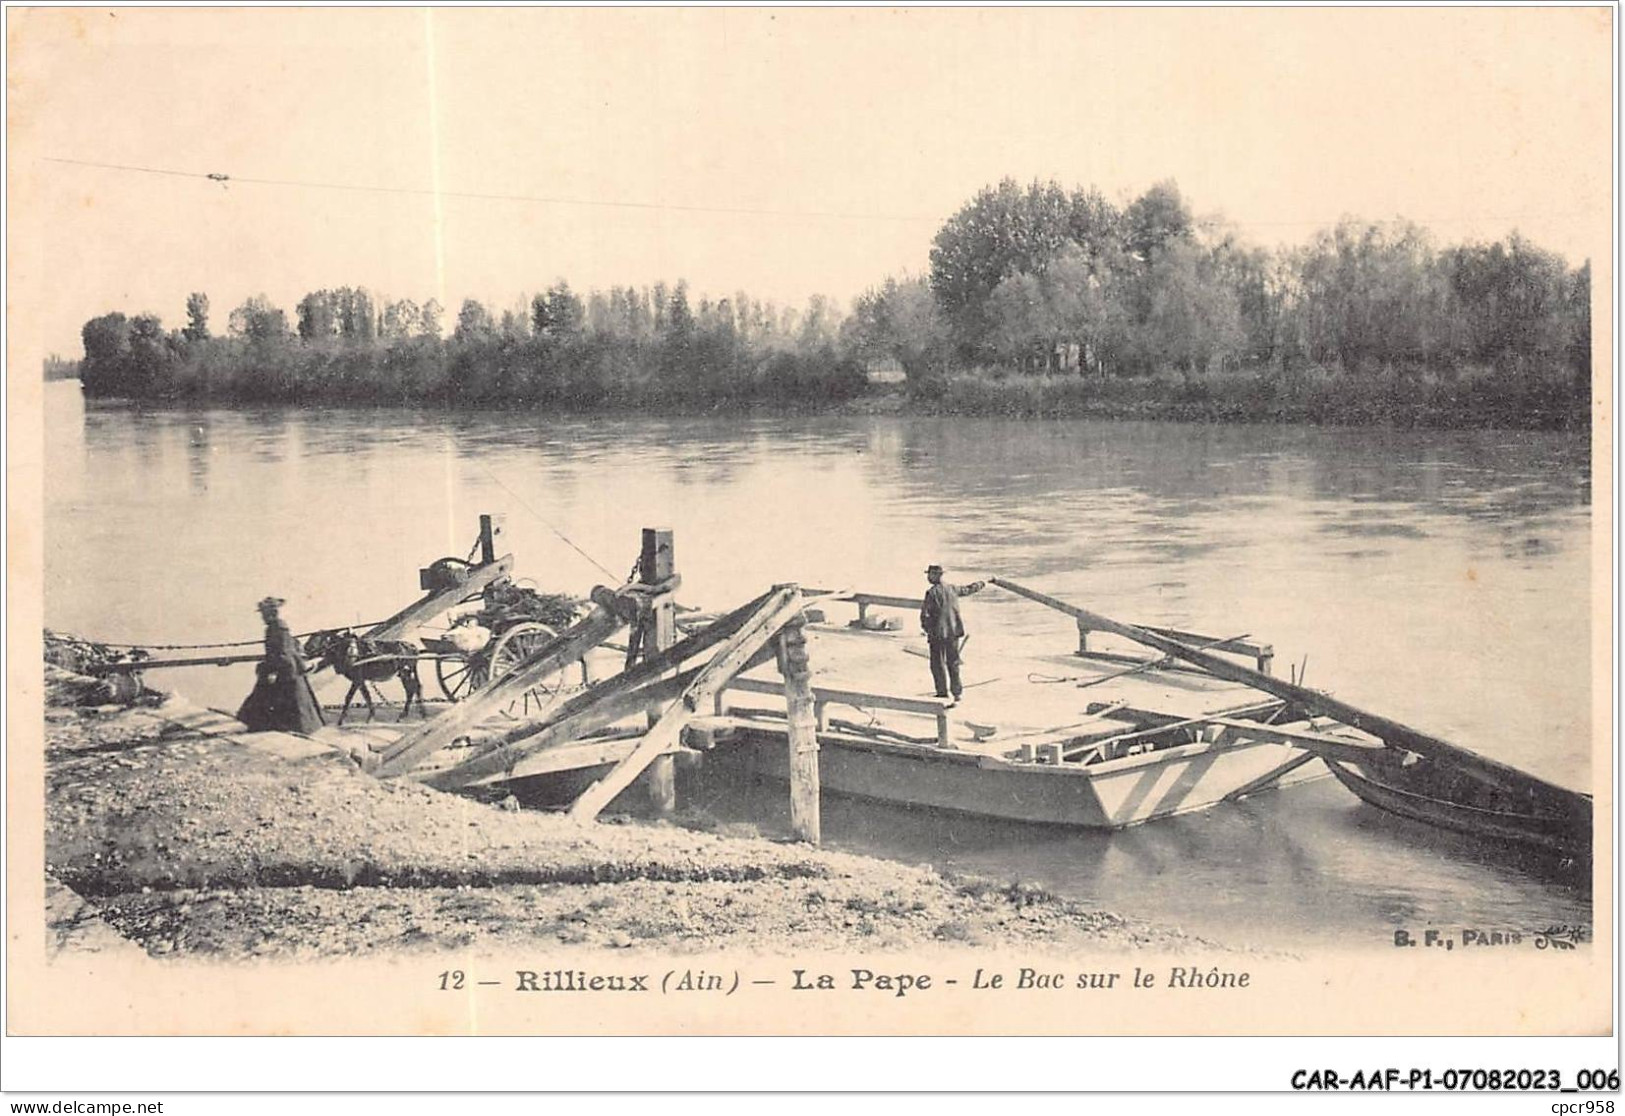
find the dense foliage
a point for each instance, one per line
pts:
(1037, 300)
(625, 347)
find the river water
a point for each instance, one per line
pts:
(1440, 578)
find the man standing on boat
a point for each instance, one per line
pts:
(945, 630)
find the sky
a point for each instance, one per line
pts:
(783, 152)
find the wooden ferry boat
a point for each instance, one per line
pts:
(1075, 740)
(1093, 738)
(1163, 743)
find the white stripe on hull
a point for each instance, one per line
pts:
(1103, 796)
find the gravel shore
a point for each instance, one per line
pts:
(222, 846)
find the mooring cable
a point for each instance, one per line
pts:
(520, 500)
(206, 646)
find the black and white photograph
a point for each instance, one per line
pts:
(813, 521)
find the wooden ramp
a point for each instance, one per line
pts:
(671, 687)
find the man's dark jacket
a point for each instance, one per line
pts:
(939, 614)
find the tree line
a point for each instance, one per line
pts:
(1040, 279)
(1026, 285)
(626, 346)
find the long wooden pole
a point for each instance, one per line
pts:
(136, 666)
(432, 605)
(1393, 732)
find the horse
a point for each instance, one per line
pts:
(363, 661)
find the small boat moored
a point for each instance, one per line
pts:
(1420, 790)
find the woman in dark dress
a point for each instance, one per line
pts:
(282, 699)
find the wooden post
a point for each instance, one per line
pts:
(490, 528)
(1083, 638)
(800, 712)
(657, 563)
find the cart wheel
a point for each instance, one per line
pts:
(461, 677)
(513, 647)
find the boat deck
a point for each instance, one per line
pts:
(1099, 739)
(1006, 703)
(877, 684)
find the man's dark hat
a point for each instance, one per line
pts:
(933, 568)
(271, 602)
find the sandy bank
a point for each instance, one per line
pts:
(228, 846)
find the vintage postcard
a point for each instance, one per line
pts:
(746, 522)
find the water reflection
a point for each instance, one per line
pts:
(199, 450)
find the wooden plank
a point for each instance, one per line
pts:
(572, 757)
(514, 759)
(527, 737)
(1315, 702)
(1239, 645)
(1155, 720)
(1149, 664)
(733, 656)
(417, 614)
(929, 707)
(1291, 734)
(1137, 660)
(801, 721)
(575, 641)
(1274, 774)
(135, 667)
(881, 599)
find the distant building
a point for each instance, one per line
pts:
(885, 371)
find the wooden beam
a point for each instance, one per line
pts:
(661, 666)
(527, 755)
(135, 666)
(574, 757)
(575, 641)
(866, 599)
(1298, 737)
(1314, 702)
(1273, 775)
(733, 657)
(1240, 645)
(1155, 720)
(417, 614)
(801, 719)
(605, 703)
(928, 707)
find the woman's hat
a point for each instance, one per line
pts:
(271, 602)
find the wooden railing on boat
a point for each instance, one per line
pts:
(1262, 654)
(825, 696)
